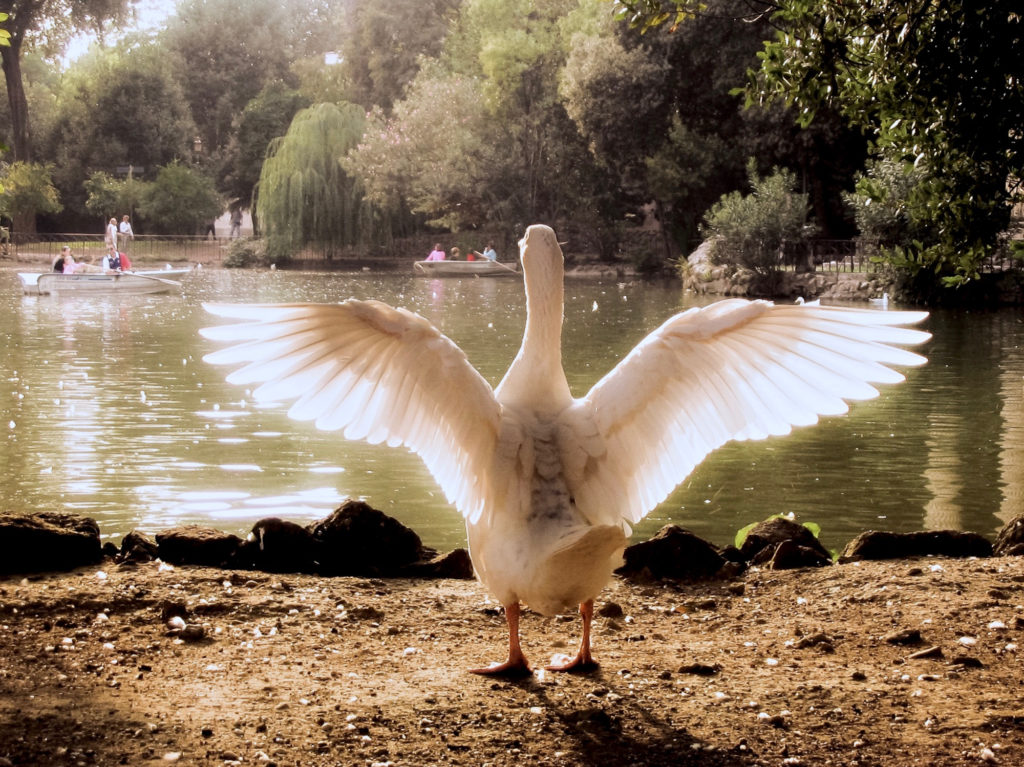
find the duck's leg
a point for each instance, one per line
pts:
(583, 661)
(516, 664)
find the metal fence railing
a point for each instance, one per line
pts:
(143, 248)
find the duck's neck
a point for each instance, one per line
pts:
(536, 380)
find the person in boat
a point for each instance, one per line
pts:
(489, 253)
(58, 263)
(78, 267)
(456, 254)
(112, 260)
(436, 254)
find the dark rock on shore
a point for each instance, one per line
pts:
(874, 544)
(279, 546)
(672, 553)
(356, 539)
(1010, 540)
(136, 547)
(197, 545)
(455, 564)
(45, 541)
(359, 540)
(783, 544)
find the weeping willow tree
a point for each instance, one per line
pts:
(305, 200)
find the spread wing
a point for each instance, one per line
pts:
(734, 370)
(378, 373)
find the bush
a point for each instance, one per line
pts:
(752, 229)
(881, 203)
(247, 253)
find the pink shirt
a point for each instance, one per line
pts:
(436, 255)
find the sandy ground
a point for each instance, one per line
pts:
(812, 667)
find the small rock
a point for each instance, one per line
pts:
(927, 653)
(699, 669)
(903, 637)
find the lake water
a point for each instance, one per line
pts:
(109, 411)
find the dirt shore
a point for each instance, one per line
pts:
(828, 666)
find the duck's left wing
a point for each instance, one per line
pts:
(733, 370)
(379, 373)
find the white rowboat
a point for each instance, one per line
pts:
(483, 268)
(126, 283)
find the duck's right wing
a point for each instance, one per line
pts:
(379, 373)
(733, 370)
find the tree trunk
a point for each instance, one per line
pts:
(11, 56)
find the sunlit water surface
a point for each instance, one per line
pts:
(109, 411)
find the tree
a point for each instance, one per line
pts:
(751, 230)
(117, 110)
(407, 162)
(382, 42)
(44, 22)
(26, 191)
(481, 135)
(180, 201)
(304, 197)
(108, 197)
(264, 118)
(938, 86)
(228, 50)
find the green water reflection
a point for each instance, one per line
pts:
(108, 410)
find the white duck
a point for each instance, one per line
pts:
(549, 484)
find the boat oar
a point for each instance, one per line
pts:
(164, 280)
(504, 266)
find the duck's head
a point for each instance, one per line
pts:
(541, 256)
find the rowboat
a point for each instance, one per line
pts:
(122, 283)
(465, 268)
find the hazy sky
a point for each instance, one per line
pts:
(150, 14)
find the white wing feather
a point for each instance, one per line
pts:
(378, 373)
(734, 370)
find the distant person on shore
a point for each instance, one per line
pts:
(436, 254)
(58, 263)
(236, 223)
(125, 234)
(110, 237)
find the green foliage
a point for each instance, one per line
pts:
(434, 155)
(180, 200)
(648, 14)
(752, 229)
(481, 136)
(305, 198)
(383, 41)
(47, 24)
(108, 197)
(27, 189)
(936, 85)
(228, 50)
(247, 253)
(264, 118)
(117, 110)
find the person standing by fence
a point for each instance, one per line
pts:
(125, 234)
(110, 237)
